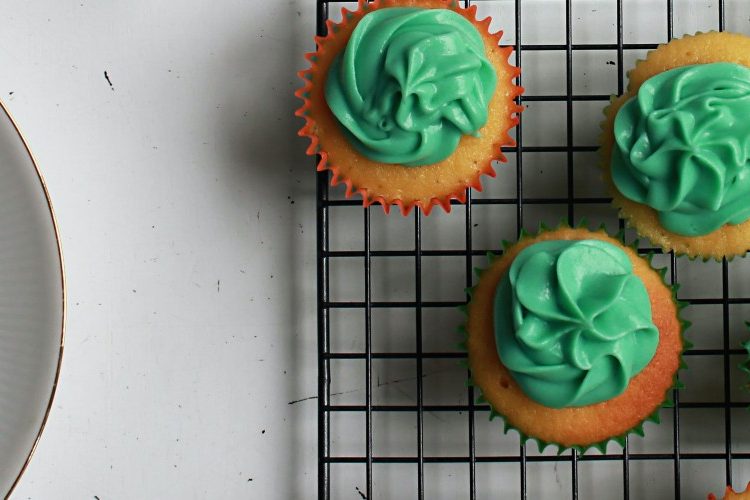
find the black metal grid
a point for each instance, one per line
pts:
(420, 306)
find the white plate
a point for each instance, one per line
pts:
(31, 304)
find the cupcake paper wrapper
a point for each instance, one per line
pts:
(337, 177)
(729, 494)
(600, 445)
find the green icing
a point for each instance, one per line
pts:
(410, 83)
(683, 147)
(573, 323)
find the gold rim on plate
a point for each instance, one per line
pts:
(63, 288)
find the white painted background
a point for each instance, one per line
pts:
(190, 272)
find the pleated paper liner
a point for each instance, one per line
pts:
(579, 428)
(390, 184)
(730, 494)
(702, 48)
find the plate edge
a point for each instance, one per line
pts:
(56, 230)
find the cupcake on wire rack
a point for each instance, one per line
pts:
(408, 102)
(676, 146)
(573, 338)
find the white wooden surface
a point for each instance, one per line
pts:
(185, 204)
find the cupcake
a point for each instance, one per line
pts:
(730, 494)
(676, 146)
(408, 102)
(573, 339)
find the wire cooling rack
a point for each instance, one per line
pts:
(395, 416)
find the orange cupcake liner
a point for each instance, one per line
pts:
(317, 72)
(729, 493)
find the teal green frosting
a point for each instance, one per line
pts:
(410, 83)
(573, 323)
(683, 147)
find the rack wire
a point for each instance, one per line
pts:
(730, 452)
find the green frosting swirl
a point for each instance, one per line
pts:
(683, 147)
(573, 323)
(409, 84)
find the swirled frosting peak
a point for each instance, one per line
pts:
(410, 83)
(683, 147)
(573, 323)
